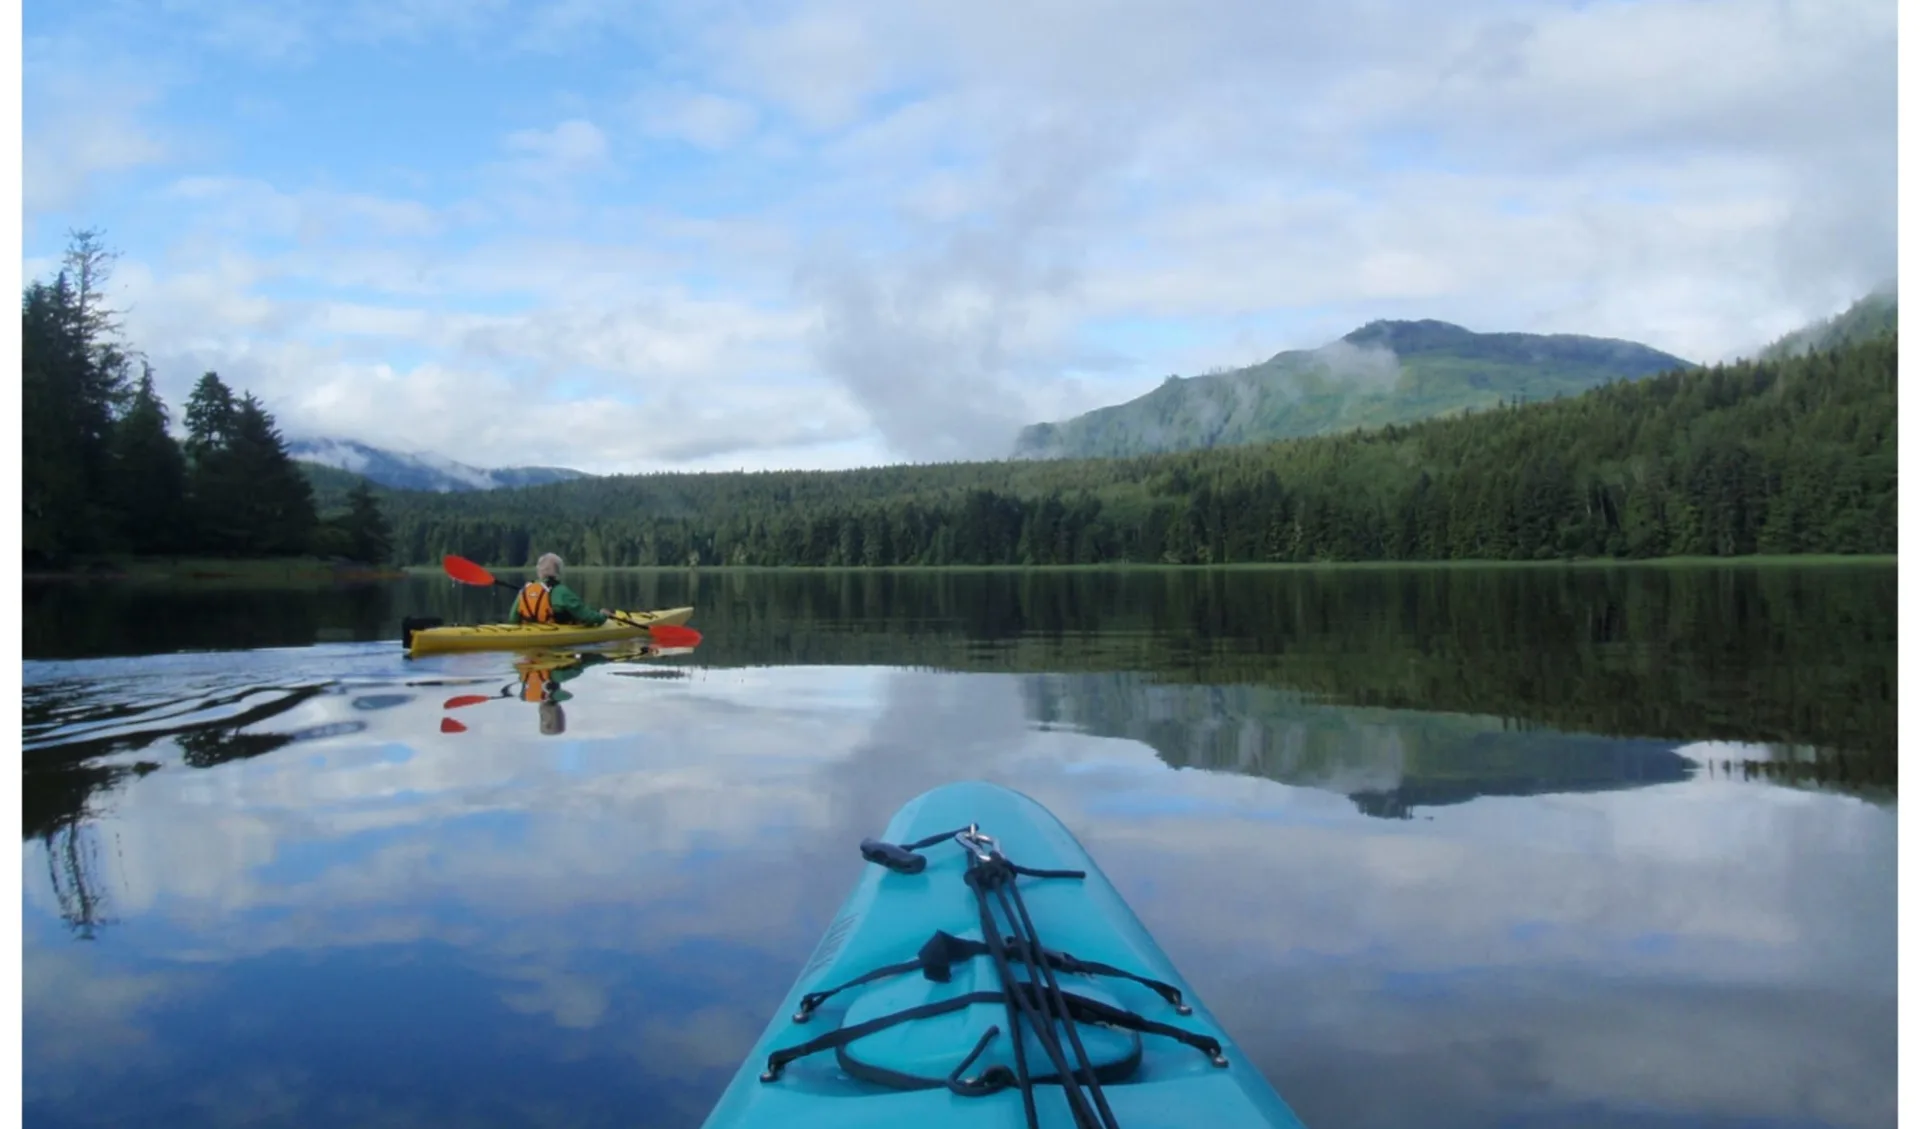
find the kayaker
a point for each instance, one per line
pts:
(546, 600)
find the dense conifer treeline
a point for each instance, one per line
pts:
(1791, 455)
(1778, 455)
(102, 474)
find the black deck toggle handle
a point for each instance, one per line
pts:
(892, 857)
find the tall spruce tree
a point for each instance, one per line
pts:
(53, 482)
(210, 416)
(248, 496)
(368, 537)
(272, 502)
(216, 486)
(150, 475)
(73, 387)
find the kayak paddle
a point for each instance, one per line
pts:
(467, 572)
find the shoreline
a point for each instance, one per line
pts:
(1804, 560)
(308, 570)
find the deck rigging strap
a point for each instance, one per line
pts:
(943, 950)
(989, 872)
(1036, 1000)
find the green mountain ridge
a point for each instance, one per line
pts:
(1385, 372)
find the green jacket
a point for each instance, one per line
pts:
(568, 607)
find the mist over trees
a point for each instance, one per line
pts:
(103, 474)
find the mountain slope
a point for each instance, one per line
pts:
(1876, 315)
(331, 486)
(403, 471)
(1384, 372)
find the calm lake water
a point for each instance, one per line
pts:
(1514, 847)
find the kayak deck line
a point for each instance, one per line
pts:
(924, 1031)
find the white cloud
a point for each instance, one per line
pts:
(542, 182)
(575, 145)
(275, 32)
(642, 362)
(77, 131)
(477, 410)
(412, 21)
(1579, 257)
(295, 33)
(710, 121)
(1694, 223)
(1720, 74)
(255, 209)
(939, 212)
(820, 65)
(87, 1018)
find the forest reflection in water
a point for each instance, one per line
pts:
(1445, 801)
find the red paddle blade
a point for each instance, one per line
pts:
(465, 700)
(669, 635)
(465, 571)
(449, 725)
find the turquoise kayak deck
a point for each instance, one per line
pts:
(1150, 1081)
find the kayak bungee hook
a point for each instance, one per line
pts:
(977, 843)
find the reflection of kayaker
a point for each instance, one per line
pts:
(542, 674)
(541, 679)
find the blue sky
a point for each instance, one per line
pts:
(626, 237)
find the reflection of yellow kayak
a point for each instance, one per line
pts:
(562, 659)
(433, 640)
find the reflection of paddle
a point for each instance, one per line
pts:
(449, 725)
(667, 634)
(468, 700)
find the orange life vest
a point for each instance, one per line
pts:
(535, 603)
(534, 685)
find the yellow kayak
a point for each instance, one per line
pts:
(429, 637)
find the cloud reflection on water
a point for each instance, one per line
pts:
(636, 894)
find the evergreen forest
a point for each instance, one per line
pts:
(103, 474)
(1794, 455)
